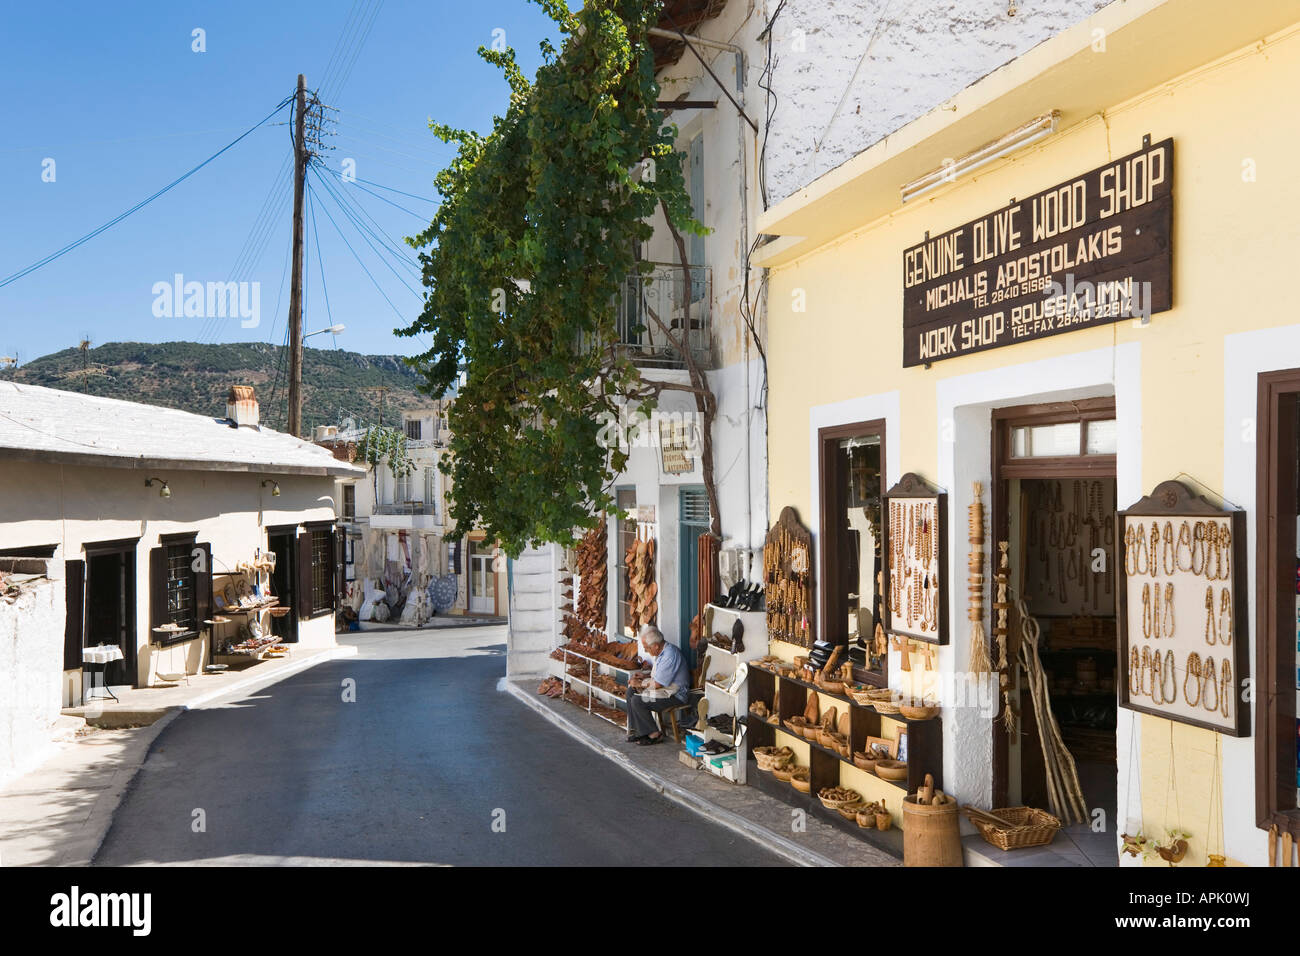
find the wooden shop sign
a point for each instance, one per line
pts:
(1091, 251)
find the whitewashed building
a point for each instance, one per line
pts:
(162, 527)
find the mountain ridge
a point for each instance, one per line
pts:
(338, 385)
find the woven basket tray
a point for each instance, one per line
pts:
(772, 760)
(1032, 828)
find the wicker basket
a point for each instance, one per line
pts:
(853, 801)
(1031, 828)
(770, 758)
(885, 706)
(849, 812)
(783, 773)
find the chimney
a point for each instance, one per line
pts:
(324, 433)
(241, 407)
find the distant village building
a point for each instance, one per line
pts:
(399, 539)
(182, 541)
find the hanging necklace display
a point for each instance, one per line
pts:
(1060, 575)
(1193, 671)
(917, 554)
(1178, 565)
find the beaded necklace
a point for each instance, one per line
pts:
(1225, 618)
(1211, 680)
(1227, 684)
(1167, 549)
(1198, 539)
(1154, 550)
(1134, 673)
(1144, 669)
(1225, 536)
(1167, 622)
(1211, 626)
(1193, 671)
(1130, 552)
(1146, 610)
(1171, 696)
(1184, 541)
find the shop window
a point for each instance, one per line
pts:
(1064, 439)
(180, 586)
(852, 464)
(1277, 738)
(322, 567)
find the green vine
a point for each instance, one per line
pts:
(381, 443)
(538, 228)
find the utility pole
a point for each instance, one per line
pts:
(300, 158)
(380, 392)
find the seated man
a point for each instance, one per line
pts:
(668, 685)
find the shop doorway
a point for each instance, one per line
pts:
(109, 612)
(482, 579)
(852, 465)
(1055, 505)
(283, 544)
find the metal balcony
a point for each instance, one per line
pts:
(665, 294)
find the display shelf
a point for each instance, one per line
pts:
(597, 688)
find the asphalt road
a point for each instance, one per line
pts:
(428, 765)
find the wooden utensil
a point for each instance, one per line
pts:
(1286, 848)
(1272, 845)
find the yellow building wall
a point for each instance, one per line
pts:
(1236, 246)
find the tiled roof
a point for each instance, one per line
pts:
(47, 424)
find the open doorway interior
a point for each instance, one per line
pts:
(1062, 540)
(283, 545)
(110, 609)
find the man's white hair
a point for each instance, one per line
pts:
(651, 635)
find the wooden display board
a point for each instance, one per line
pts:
(788, 581)
(916, 559)
(1182, 564)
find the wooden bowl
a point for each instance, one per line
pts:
(866, 820)
(891, 770)
(783, 773)
(918, 713)
(831, 686)
(825, 738)
(810, 732)
(803, 786)
(863, 762)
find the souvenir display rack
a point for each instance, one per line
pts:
(1183, 610)
(788, 580)
(245, 593)
(730, 693)
(787, 696)
(916, 549)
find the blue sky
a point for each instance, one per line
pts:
(116, 97)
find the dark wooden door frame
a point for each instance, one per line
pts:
(830, 574)
(1275, 549)
(1003, 469)
(127, 550)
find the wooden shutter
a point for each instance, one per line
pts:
(157, 588)
(304, 595)
(340, 543)
(203, 587)
(74, 624)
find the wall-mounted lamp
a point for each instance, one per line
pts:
(1004, 145)
(275, 487)
(163, 492)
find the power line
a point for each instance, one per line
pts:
(378, 287)
(138, 206)
(356, 182)
(320, 261)
(348, 204)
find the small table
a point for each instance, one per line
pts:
(99, 657)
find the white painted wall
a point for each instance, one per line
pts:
(31, 662)
(847, 73)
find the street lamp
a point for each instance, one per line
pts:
(332, 330)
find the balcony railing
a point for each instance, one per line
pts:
(665, 294)
(407, 508)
